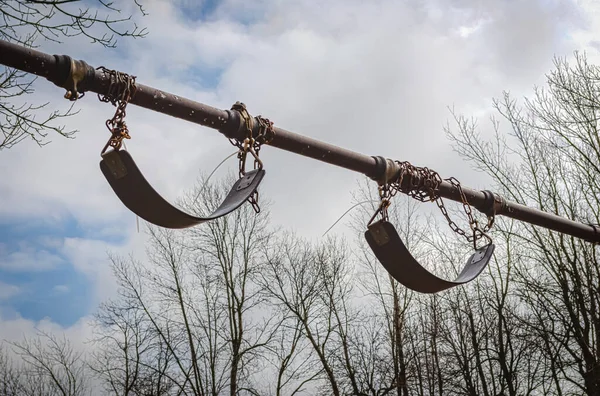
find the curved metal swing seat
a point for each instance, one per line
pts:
(137, 194)
(402, 266)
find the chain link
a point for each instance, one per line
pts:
(265, 134)
(476, 231)
(252, 144)
(121, 89)
(422, 184)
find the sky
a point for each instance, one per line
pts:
(376, 77)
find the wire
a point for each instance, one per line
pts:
(211, 174)
(345, 213)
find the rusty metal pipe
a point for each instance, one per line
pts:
(226, 121)
(60, 70)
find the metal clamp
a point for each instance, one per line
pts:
(70, 74)
(76, 75)
(494, 204)
(385, 170)
(596, 239)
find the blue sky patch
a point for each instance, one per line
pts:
(36, 279)
(61, 294)
(196, 10)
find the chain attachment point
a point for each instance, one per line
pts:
(121, 89)
(422, 184)
(252, 144)
(77, 73)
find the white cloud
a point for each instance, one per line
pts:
(28, 258)
(89, 257)
(8, 291)
(61, 289)
(14, 328)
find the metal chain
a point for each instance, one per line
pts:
(422, 184)
(476, 231)
(385, 197)
(265, 134)
(252, 144)
(121, 89)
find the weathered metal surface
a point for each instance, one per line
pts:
(137, 194)
(397, 260)
(57, 69)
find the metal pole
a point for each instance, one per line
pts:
(62, 70)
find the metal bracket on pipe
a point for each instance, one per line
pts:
(596, 228)
(71, 75)
(235, 127)
(385, 170)
(494, 204)
(78, 73)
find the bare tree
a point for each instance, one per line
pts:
(550, 160)
(291, 356)
(390, 303)
(228, 252)
(50, 366)
(130, 357)
(292, 283)
(192, 318)
(27, 22)
(11, 378)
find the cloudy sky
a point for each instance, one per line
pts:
(373, 76)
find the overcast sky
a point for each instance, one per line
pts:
(372, 76)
